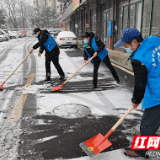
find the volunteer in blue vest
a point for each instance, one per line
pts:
(145, 59)
(93, 46)
(47, 43)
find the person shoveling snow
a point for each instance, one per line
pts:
(47, 43)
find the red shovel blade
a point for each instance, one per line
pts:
(1, 86)
(58, 88)
(96, 144)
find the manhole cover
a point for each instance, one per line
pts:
(90, 75)
(72, 111)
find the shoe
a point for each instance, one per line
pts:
(61, 77)
(133, 154)
(48, 78)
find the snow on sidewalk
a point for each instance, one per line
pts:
(115, 155)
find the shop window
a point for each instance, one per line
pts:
(131, 15)
(138, 15)
(125, 17)
(93, 19)
(146, 18)
(123, 2)
(119, 22)
(155, 18)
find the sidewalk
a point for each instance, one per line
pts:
(120, 59)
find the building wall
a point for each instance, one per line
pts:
(59, 7)
(42, 3)
(67, 26)
(94, 16)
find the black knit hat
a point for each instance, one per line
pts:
(36, 30)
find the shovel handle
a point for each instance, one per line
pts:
(79, 70)
(17, 67)
(122, 118)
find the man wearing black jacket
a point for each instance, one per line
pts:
(47, 43)
(96, 61)
(146, 66)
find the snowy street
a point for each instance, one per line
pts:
(39, 124)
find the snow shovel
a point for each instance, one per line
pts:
(60, 87)
(99, 143)
(1, 86)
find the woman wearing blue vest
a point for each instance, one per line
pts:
(47, 43)
(145, 59)
(94, 46)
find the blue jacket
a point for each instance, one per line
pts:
(50, 43)
(102, 55)
(148, 53)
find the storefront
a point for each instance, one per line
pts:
(141, 14)
(106, 16)
(94, 15)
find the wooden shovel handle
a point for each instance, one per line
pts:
(17, 67)
(79, 70)
(122, 118)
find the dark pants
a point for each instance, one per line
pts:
(55, 60)
(149, 124)
(96, 67)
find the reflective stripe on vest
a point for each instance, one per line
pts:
(102, 55)
(50, 43)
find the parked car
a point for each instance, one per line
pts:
(54, 33)
(6, 31)
(13, 34)
(23, 33)
(2, 38)
(5, 34)
(67, 38)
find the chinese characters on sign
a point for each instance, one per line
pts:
(146, 143)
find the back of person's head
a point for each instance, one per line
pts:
(36, 30)
(84, 36)
(91, 34)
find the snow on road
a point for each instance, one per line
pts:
(9, 137)
(109, 102)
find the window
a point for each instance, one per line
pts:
(119, 23)
(123, 2)
(155, 18)
(131, 15)
(146, 18)
(138, 16)
(125, 17)
(93, 19)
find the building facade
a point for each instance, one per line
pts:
(55, 4)
(42, 3)
(106, 18)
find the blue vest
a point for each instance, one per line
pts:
(50, 43)
(88, 55)
(149, 54)
(102, 55)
